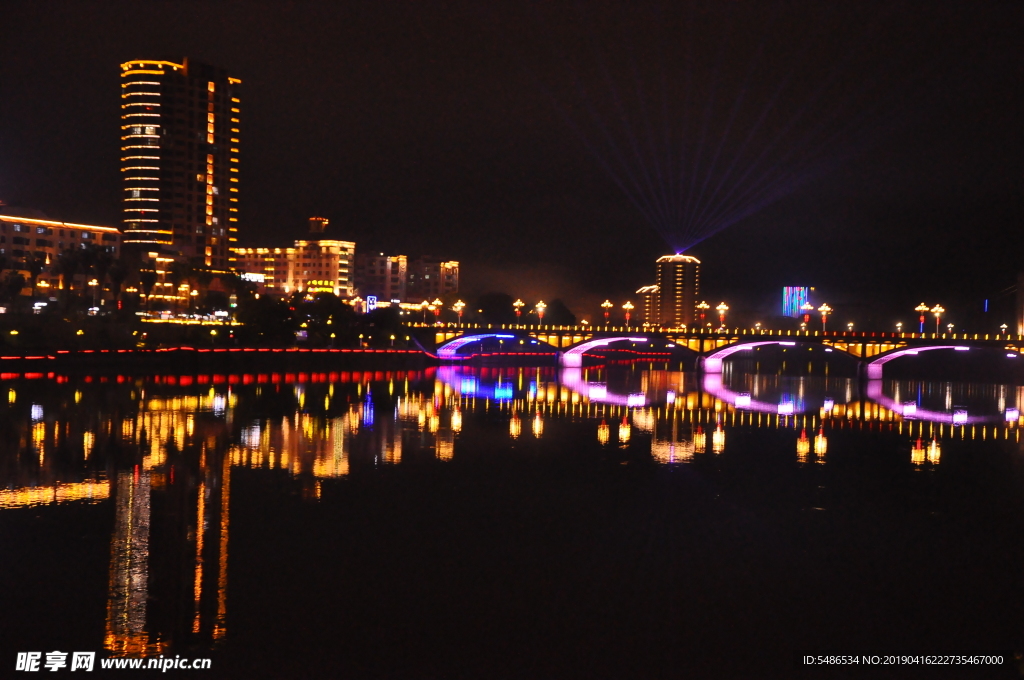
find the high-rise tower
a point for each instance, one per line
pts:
(678, 281)
(180, 159)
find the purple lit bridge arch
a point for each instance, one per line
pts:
(713, 362)
(573, 357)
(874, 367)
(449, 351)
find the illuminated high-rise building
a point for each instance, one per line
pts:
(180, 159)
(678, 280)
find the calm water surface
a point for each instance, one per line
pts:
(521, 522)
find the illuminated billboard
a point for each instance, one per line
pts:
(793, 298)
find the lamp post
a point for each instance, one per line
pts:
(899, 326)
(825, 310)
(607, 306)
(540, 307)
(849, 326)
(937, 310)
(628, 306)
(921, 309)
(437, 309)
(518, 304)
(702, 307)
(722, 309)
(949, 328)
(458, 307)
(1003, 328)
(807, 308)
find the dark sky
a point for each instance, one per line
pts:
(480, 131)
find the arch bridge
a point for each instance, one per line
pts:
(873, 349)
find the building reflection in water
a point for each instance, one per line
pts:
(175, 446)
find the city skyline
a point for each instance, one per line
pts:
(434, 131)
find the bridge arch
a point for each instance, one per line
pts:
(573, 357)
(874, 368)
(713, 362)
(449, 350)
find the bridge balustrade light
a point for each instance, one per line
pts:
(825, 310)
(937, 310)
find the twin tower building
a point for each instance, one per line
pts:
(181, 131)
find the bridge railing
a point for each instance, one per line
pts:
(719, 332)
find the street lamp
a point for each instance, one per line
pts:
(703, 307)
(540, 307)
(628, 306)
(921, 309)
(437, 309)
(899, 326)
(458, 306)
(849, 326)
(758, 326)
(937, 310)
(607, 306)
(807, 308)
(518, 304)
(722, 309)
(825, 311)
(949, 327)
(1003, 328)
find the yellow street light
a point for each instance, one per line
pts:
(921, 309)
(628, 306)
(722, 309)
(458, 307)
(540, 307)
(518, 304)
(937, 310)
(825, 310)
(607, 305)
(702, 307)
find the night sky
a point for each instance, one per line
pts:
(481, 132)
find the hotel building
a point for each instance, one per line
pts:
(180, 131)
(315, 265)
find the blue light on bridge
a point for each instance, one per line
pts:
(502, 392)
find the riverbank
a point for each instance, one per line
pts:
(185, 360)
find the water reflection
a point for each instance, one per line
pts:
(171, 445)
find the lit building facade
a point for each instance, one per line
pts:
(180, 131)
(24, 239)
(672, 300)
(430, 278)
(383, 276)
(648, 307)
(315, 265)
